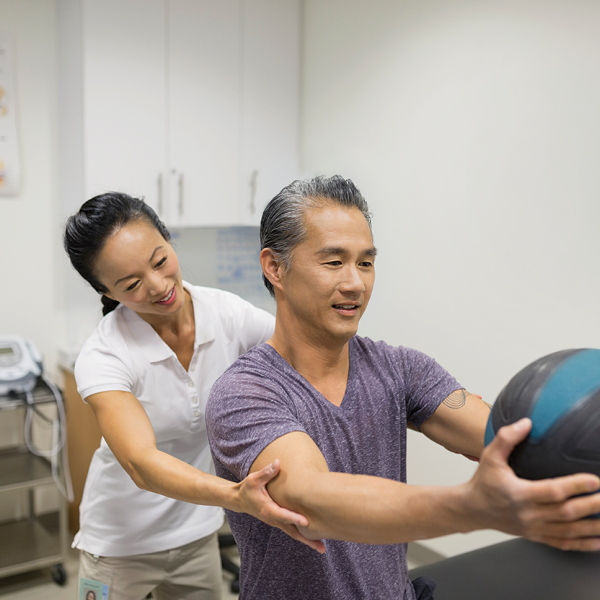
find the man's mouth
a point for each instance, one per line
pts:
(346, 308)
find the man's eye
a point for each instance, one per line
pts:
(335, 263)
(366, 263)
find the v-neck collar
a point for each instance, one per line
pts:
(347, 400)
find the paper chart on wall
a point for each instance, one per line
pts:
(10, 170)
(238, 265)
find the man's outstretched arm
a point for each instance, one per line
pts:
(367, 509)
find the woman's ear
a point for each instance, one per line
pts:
(271, 267)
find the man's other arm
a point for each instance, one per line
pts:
(361, 508)
(458, 423)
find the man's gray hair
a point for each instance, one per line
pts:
(282, 225)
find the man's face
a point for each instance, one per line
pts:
(331, 277)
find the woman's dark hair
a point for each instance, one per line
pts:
(98, 219)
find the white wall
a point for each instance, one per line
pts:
(30, 246)
(473, 130)
(29, 223)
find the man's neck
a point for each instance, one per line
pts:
(324, 363)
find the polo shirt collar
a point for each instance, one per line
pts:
(151, 343)
(203, 317)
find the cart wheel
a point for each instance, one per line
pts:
(59, 574)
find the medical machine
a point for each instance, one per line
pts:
(20, 365)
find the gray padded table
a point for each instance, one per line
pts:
(515, 570)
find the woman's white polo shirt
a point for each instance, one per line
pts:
(125, 353)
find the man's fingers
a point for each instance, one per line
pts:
(591, 544)
(507, 438)
(551, 491)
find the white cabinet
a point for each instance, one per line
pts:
(204, 112)
(270, 136)
(124, 135)
(192, 104)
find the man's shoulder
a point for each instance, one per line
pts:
(256, 365)
(366, 346)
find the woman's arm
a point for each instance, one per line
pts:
(128, 432)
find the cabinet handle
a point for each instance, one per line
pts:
(159, 205)
(253, 183)
(180, 186)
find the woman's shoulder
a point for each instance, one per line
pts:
(227, 307)
(108, 334)
(211, 295)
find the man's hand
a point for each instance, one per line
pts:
(546, 511)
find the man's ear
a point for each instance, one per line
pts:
(271, 267)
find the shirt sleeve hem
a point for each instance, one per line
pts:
(106, 387)
(262, 444)
(435, 405)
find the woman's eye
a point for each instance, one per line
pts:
(161, 262)
(132, 286)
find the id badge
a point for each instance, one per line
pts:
(90, 589)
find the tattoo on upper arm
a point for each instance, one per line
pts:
(456, 399)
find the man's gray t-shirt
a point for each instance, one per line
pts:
(260, 398)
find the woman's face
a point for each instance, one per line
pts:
(90, 596)
(141, 271)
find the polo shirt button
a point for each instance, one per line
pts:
(190, 383)
(192, 368)
(196, 413)
(195, 400)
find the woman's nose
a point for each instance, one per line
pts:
(157, 285)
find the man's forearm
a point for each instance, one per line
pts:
(373, 510)
(361, 508)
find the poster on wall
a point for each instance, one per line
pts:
(10, 171)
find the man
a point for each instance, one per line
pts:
(334, 408)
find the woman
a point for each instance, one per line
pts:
(150, 509)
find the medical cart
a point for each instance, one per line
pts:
(31, 541)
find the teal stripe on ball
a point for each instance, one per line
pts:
(573, 381)
(489, 431)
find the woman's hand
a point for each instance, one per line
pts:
(254, 499)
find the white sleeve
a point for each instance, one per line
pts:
(100, 369)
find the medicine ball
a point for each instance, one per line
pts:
(560, 393)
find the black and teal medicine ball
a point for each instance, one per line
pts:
(560, 393)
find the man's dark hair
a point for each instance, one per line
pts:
(282, 225)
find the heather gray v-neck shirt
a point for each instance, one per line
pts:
(260, 398)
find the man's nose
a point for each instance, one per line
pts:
(352, 282)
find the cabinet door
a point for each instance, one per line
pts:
(204, 73)
(124, 97)
(270, 87)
